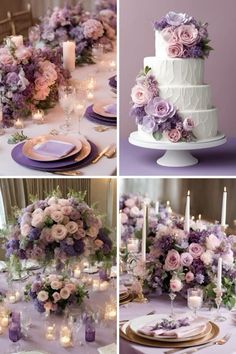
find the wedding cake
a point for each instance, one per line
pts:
(171, 102)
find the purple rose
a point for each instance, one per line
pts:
(195, 250)
(177, 19)
(188, 124)
(12, 79)
(149, 124)
(186, 259)
(161, 109)
(172, 261)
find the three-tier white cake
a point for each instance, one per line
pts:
(181, 44)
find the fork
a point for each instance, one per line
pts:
(221, 341)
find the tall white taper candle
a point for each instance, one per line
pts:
(144, 232)
(224, 206)
(69, 55)
(187, 214)
(157, 207)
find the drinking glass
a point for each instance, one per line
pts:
(67, 99)
(79, 109)
(195, 298)
(97, 51)
(2, 131)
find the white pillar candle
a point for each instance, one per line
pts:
(195, 301)
(157, 207)
(77, 273)
(69, 55)
(4, 321)
(17, 40)
(224, 205)
(12, 299)
(19, 124)
(144, 232)
(187, 214)
(219, 274)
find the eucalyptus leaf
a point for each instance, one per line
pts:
(157, 135)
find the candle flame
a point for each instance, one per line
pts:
(188, 194)
(168, 203)
(225, 190)
(199, 217)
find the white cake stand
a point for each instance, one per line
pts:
(177, 154)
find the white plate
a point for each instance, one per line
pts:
(91, 270)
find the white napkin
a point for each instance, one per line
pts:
(113, 271)
(196, 326)
(3, 266)
(108, 349)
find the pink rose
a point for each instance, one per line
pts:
(187, 34)
(93, 29)
(130, 202)
(172, 260)
(98, 243)
(134, 211)
(175, 50)
(140, 95)
(195, 250)
(56, 296)
(170, 35)
(188, 124)
(6, 59)
(212, 242)
(66, 210)
(56, 285)
(189, 277)
(57, 216)
(65, 293)
(42, 94)
(71, 287)
(123, 218)
(23, 53)
(186, 259)
(92, 231)
(175, 284)
(59, 232)
(72, 227)
(40, 82)
(174, 135)
(49, 71)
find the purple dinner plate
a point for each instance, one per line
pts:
(52, 166)
(96, 118)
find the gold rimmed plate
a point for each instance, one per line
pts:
(29, 151)
(127, 300)
(100, 108)
(85, 151)
(128, 334)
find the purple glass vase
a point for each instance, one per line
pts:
(90, 331)
(14, 332)
(104, 274)
(15, 317)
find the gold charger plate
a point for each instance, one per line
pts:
(127, 300)
(124, 296)
(207, 330)
(28, 147)
(132, 337)
(85, 151)
(99, 108)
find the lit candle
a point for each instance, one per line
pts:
(195, 301)
(224, 205)
(77, 273)
(91, 83)
(90, 96)
(4, 321)
(219, 274)
(168, 207)
(38, 116)
(157, 207)
(50, 332)
(19, 124)
(17, 40)
(17, 295)
(112, 65)
(110, 312)
(96, 284)
(12, 299)
(144, 232)
(65, 337)
(89, 280)
(103, 286)
(69, 55)
(187, 214)
(1, 330)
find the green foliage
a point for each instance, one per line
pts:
(79, 196)
(145, 71)
(17, 138)
(86, 57)
(157, 135)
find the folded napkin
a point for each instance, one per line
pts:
(3, 266)
(54, 148)
(123, 289)
(193, 328)
(110, 108)
(108, 349)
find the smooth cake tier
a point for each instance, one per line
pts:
(206, 123)
(183, 72)
(160, 46)
(187, 97)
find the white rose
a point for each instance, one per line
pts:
(25, 229)
(65, 293)
(52, 200)
(228, 258)
(134, 211)
(37, 211)
(140, 95)
(63, 202)
(42, 296)
(207, 257)
(55, 284)
(212, 242)
(175, 284)
(38, 220)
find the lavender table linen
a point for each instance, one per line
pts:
(37, 340)
(113, 82)
(68, 163)
(162, 305)
(138, 161)
(96, 118)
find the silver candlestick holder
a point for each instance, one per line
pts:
(218, 300)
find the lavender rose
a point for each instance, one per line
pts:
(149, 124)
(187, 34)
(195, 250)
(172, 261)
(188, 124)
(175, 50)
(174, 135)
(186, 259)
(177, 19)
(161, 109)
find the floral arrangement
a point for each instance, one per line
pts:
(156, 115)
(73, 23)
(106, 4)
(179, 260)
(57, 228)
(54, 293)
(29, 79)
(186, 37)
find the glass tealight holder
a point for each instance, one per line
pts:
(50, 331)
(38, 116)
(195, 299)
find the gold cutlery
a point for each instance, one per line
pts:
(102, 153)
(68, 173)
(111, 152)
(221, 341)
(101, 128)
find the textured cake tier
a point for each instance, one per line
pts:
(177, 71)
(187, 97)
(160, 46)
(206, 124)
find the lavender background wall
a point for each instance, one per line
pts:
(137, 41)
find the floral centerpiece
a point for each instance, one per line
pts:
(106, 4)
(54, 293)
(156, 115)
(178, 260)
(186, 37)
(29, 79)
(73, 23)
(57, 229)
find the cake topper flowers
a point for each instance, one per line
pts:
(185, 37)
(156, 115)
